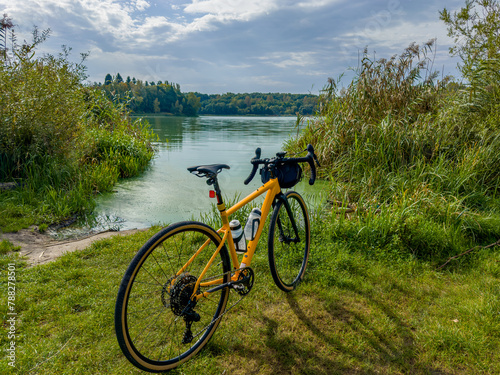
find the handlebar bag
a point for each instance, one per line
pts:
(288, 174)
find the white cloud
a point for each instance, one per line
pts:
(127, 22)
(123, 23)
(401, 35)
(239, 66)
(224, 10)
(290, 59)
(216, 12)
(239, 43)
(269, 81)
(102, 15)
(393, 39)
(317, 3)
(141, 5)
(153, 67)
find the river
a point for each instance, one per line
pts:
(166, 192)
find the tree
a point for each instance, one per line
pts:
(5, 25)
(193, 105)
(118, 78)
(108, 79)
(156, 105)
(476, 31)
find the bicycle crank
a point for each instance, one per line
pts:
(242, 285)
(245, 281)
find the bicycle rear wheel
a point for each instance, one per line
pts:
(157, 326)
(289, 241)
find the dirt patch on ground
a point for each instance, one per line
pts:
(40, 248)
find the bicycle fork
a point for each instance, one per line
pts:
(282, 236)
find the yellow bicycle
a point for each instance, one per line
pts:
(175, 291)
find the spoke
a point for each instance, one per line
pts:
(136, 313)
(167, 335)
(179, 252)
(168, 258)
(146, 283)
(290, 242)
(161, 268)
(136, 338)
(149, 273)
(154, 329)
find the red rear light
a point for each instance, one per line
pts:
(211, 194)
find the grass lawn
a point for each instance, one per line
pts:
(351, 315)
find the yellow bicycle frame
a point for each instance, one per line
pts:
(272, 188)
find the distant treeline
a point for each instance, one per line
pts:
(150, 97)
(257, 104)
(166, 97)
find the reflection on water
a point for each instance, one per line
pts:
(166, 192)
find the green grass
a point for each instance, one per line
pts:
(352, 314)
(6, 246)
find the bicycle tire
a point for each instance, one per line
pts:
(149, 332)
(288, 258)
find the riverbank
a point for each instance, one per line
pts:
(37, 248)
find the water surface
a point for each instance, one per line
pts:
(166, 192)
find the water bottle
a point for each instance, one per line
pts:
(252, 224)
(238, 237)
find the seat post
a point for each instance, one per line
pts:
(220, 203)
(213, 181)
(210, 171)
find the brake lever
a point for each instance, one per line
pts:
(310, 150)
(316, 160)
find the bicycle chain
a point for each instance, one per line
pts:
(227, 309)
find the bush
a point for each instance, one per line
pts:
(61, 141)
(423, 153)
(40, 112)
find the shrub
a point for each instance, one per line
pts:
(424, 153)
(60, 140)
(40, 112)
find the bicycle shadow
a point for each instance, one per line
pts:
(395, 356)
(320, 347)
(279, 355)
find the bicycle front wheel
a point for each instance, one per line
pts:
(289, 241)
(157, 324)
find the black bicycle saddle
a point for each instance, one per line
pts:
(208, 170)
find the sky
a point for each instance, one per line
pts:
(239, 46)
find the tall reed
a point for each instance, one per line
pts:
(416, 150)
